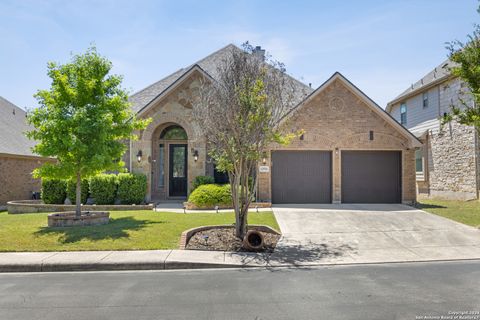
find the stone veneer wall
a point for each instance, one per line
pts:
(174, 108)
(451, 152)
(337, 118)
(452, 162)
(16, 181)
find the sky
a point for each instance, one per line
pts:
(381, 46)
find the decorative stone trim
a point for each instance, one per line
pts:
(253, 205)
(35, 206)
(187, 234)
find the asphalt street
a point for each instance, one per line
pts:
(384, 291)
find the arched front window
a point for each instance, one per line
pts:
(174, 133)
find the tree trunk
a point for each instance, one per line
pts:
(78, 196)
(240, 196)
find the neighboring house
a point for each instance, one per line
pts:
(351, 151)
(16, 158)
(447, 164)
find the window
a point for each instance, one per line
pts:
(418, 161)
(173, 133)
(403, 113)
(419, 164)
(219, 176)
(425, 99)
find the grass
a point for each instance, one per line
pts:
(127, 230)
(466, 212)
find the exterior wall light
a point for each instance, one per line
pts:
(195, 155)
(264, 158)
(139, 155)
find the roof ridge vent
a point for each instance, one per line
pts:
(421, 81)
(411, 86)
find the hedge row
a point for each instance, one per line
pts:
(128, 188)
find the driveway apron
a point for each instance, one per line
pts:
(369, 233)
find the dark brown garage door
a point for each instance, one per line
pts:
(301, 177)
(371, 177)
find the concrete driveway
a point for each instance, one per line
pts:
(369, 233)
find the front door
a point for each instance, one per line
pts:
(177, 170)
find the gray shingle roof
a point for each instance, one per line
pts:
(209, 64)
(13, 124)
(440, 73)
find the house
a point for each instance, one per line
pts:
(447, 165)
(352, 150)
(16, 158)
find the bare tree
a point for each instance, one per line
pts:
(239, 110)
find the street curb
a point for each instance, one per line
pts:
(181, 265)
(169, 265)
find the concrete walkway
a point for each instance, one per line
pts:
(177, 207)
(369, 233)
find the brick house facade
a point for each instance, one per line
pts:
(16, 158)
(338, 119)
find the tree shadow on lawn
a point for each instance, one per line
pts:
(115, 229)
(421, 206)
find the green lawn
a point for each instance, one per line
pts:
(467, 212)
(127, 230)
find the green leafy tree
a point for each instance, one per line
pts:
(82, 120)
(241, 112)
(466, 56)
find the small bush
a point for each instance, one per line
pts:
(53, 191)
(201, 180)
(72, 190)
(103, 188)
(210, 195)
(132, 188)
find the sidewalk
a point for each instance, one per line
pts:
(126, 260)
(177, 207)
(292, 256)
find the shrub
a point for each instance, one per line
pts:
(53, 191)
(210, 195)
(201, 180)
(103, 188)
(132, 188)
(72, 190)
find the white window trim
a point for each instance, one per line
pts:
(425, 94)
(420, 175)
(403, 104)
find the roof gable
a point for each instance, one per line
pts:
(172, 86)
(208, 65)
(13, 125)
(363, 97)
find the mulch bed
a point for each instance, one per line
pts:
(223, 239)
